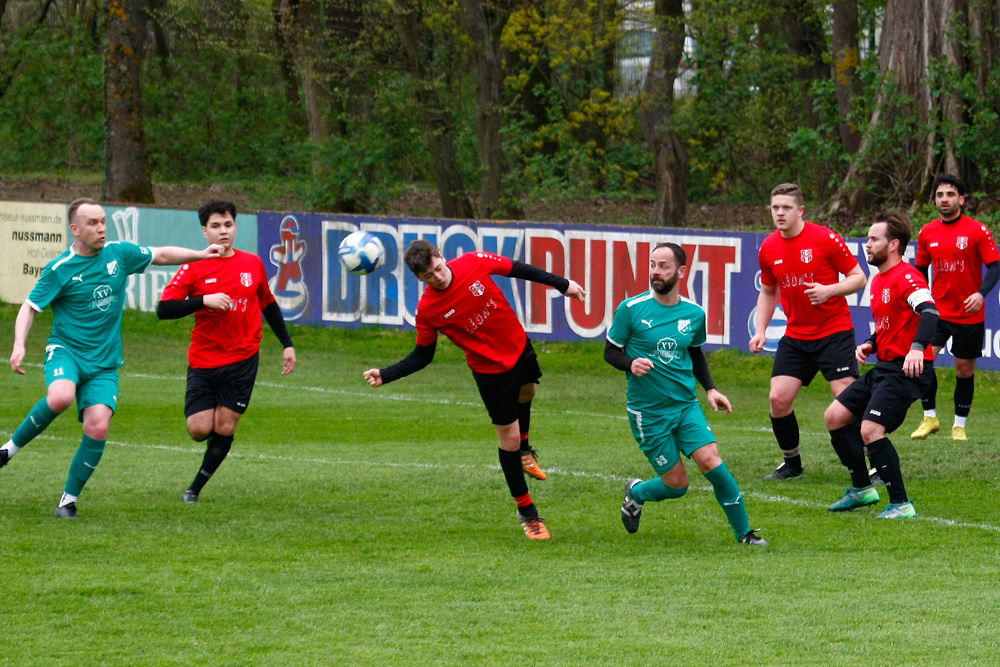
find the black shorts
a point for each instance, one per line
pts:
(966, 339)
(832, 355)
(501, 390)
(229, 386)
(884, 394)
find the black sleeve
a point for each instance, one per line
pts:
(928, 323)
(991, 278)
(178, 308)
(616, 356)
(926, 271)
(277, 323)
(699, 366)
(537, 275)
(419, 358)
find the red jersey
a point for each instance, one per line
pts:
(895, 294)
(815, 255)
(957, 251)
(223, 337)
(474, 314)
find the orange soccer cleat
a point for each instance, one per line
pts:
(530, 465)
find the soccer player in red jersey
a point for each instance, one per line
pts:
(227, 296)
(462, 302)
(905, 318)
(957, 247)
(804, 261)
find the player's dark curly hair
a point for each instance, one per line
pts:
(221, 207)
(419, 256)
(897, 227)
(948, 179)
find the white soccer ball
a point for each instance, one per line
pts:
(361, 253)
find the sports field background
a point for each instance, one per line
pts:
(354, 526)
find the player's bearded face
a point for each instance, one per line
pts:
(662, 278)
(877, 247)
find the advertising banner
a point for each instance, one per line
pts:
(33, 235)
(312, 287)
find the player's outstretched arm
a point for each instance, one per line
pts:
(575, 291)
(170, 254)
(418, 359)
(22, 327)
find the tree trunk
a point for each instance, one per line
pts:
(656, 114)
(484, 22)
(126, 174)
(845, 70)
(303, 28)
(796, 23)
(418, 56)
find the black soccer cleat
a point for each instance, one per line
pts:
(785, 471)
(4, 457)
(66, 511)
(631, 510)
(751, 538)
(190, 496)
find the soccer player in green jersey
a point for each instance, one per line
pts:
(85, 286)
(656, 338)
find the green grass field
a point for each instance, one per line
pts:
(353, 526)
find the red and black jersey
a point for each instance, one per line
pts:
(474, 314)
(221, 337)
(815, 255)
(957, 252)
(895, 294)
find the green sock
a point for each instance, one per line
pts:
(37, 421)
(655, 490)
(88, 455)
(727, 492)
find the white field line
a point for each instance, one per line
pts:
(764, 497)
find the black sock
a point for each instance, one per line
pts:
(524, 422)
(215, 454)
(850, 449)
(885, 459)
(964, 389)
(786, 431)
(929, 400)
(510, 464)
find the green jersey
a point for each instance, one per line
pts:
(87, 295)
(644, 327)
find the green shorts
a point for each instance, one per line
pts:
(93, 386)
(664, 436)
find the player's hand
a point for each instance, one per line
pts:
(218, 301)
(757, 343)
(16, 357)
(913, 364)
(288, 360)
(974, 302)
(641, 366)
(575, 291)
(214, 250)
(862, 351)
(373, 377)
(717, 400)
(818, 293)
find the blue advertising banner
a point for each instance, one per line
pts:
(312, 287)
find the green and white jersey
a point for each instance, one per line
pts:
(644, 327)
(87, 295)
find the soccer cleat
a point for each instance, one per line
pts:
(190, 496)
(957, 433)
(530, 465)
(534, 528)
(66, 511)
(927, 426)
(855, 498)
(875, 478)
(898, 511)
(4, 457)
(785, 471)
(631, 510)
(751, 538)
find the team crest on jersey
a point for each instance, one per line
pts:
(666, 350)
(113, 267)
(246, 279)
(806, 255)
(477, 288)
(885, 295)
(962, 242)
(683, 326)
